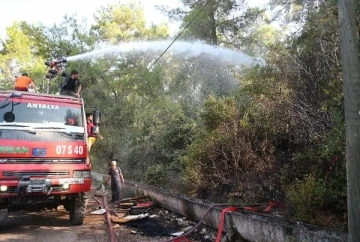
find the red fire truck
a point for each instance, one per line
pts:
(44, 159)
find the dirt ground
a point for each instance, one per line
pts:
(54, 226)
(51, 226)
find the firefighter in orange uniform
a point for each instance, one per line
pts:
(22, 83)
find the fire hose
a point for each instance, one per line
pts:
(228, 208)
(182, 238)
(111, 229)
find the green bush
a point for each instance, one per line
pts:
(224, 158)
(304, 197)
(156, 175)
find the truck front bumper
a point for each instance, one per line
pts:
(46, 186)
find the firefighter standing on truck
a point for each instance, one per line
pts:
(22, 83)
(71, 85)
(91, 137)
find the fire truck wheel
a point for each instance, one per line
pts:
(3, 217)
(77, 210)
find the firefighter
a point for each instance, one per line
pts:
(91, 137)
(22, 83)
(71, 85)
(116, 178)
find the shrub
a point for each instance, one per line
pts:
(225, 159)
(155, 175)
(304, 197)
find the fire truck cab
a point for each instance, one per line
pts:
(44, 159)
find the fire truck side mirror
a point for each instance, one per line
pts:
(96, 117)
(95, 130)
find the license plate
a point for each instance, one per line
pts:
(71, 181)
(37, 182)
(39, 152)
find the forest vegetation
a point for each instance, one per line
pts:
(201, 126)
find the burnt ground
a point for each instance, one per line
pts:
(55, 226)
(166, 223)
(160, 226)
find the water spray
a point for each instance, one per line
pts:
(180, 47)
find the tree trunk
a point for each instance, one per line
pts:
(212, 11)
(351, 84)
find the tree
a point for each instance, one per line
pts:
(218, 21)
(19, 54)
(351, 79)
(117, 23)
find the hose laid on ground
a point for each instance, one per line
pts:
(182, 238)
(229, 208)
(222, 219)
(111, 229)
(98, 201)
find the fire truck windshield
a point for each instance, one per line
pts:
(39, 113)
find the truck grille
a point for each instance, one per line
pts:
(55, 188)
(42, 160)
(34, 173)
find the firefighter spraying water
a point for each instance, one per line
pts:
(70, 86)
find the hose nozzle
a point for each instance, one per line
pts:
(53, 63)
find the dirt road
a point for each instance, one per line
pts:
(51, 226)
(54, 226)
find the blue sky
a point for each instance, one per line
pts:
(50, 12)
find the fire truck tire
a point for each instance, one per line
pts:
(77, 210)
(3, 217)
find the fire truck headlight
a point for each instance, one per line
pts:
(81, 174)
(66, 186)
(3, 188)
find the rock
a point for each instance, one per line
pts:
(188, 228)
(99, 211)
(177, 233)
